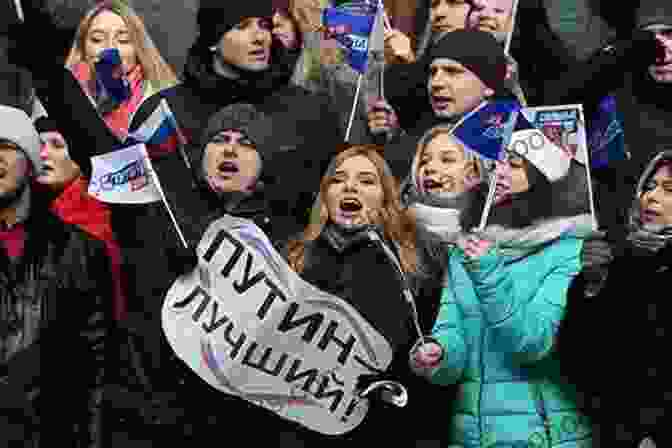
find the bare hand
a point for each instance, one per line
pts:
(425, 358)
(382, 117)
(474, 247)
(398, 47)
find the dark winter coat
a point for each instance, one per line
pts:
(64, 275)
(350, 272)
(612, 346)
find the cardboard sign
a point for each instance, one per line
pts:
(249, 326)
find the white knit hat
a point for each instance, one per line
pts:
(17, 127)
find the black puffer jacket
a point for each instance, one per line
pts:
(64, 281)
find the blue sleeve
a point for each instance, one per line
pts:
(448, 332)
(524, 309)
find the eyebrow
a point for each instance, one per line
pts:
(104, 31)
(360, 173)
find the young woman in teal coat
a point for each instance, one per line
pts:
(504, 296)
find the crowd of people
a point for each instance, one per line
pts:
(539, 330)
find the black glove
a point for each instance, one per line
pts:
(596, 251)
(596, 255)
(182, 260)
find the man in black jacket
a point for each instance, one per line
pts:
(55, 300)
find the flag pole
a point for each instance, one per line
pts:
(354, 107)
(492, 187)
(157, 183)
(509, 35)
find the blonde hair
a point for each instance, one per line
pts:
(471, 159)
(398, 224)
(156, 70)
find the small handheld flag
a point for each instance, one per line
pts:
(487, 129)
(606, 139)
(110, 80)
(121, 177)
(350, 25)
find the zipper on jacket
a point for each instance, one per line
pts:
(541, 409)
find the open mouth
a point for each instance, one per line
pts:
(259, 54)
(441, 102)
(46, 169)
(227, 168)
(487, 26)
(432, 185)
(350, 205)
(442, 27)
(650, 215)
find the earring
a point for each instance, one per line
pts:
(212, 48)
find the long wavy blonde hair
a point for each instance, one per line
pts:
(156, 70)
(398, 224)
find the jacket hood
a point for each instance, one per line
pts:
(198, 73)
(654, 12)
(635, 223)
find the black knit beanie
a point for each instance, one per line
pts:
(216, 17)
(238, 117)
(654, 12)
(477, 50)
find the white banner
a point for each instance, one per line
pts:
(249, 326)
(123, 177)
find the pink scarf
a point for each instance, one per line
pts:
(118, 120)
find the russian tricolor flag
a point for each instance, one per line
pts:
(159, 132)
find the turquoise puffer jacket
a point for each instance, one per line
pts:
(497, 325)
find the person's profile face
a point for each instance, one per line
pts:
(58, 169)
(661, 71)
(284, 30)
(448, 15)
(656, 199)
(491, 16)
(14, 169)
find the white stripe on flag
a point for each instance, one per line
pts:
(152, 124)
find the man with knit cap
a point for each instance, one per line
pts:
(55, 290)
(462, 69)
(235, 60)
(637, 68)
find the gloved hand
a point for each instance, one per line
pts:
(596, 255)
(182, 260)
(596, 251)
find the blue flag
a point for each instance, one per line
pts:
(487, 129)
(110, 79)
(605, 135)
(351, 25)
